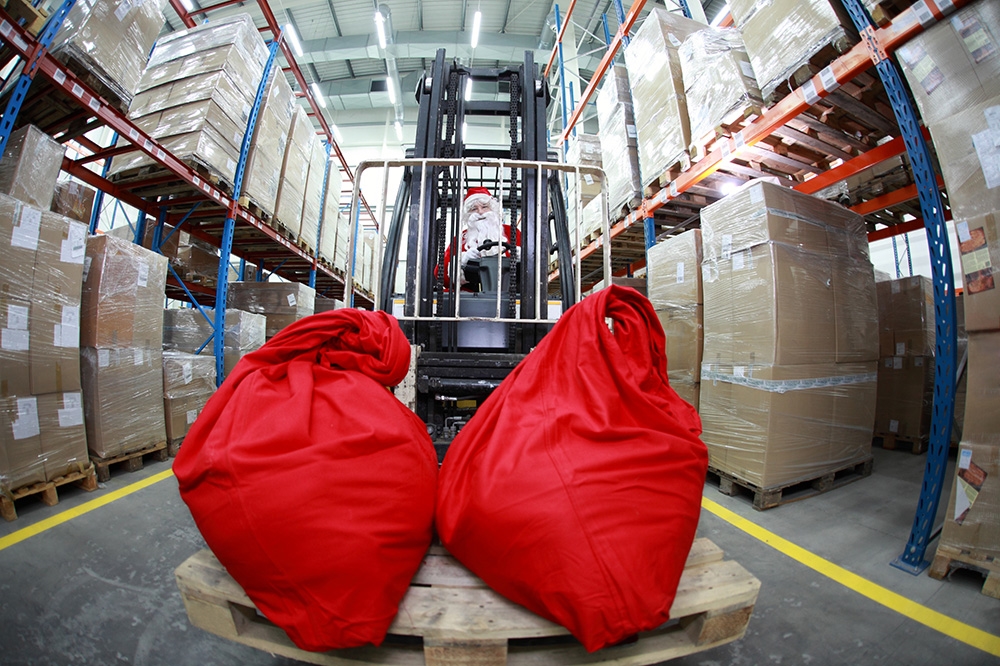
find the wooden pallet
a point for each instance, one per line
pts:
(892, 441)
(948, 558)
(34, 19)
(86, 479)
(461, 621)
(734, 121)
(137, 179)
(256, 209)
(770, 497)
(667, 176)
(131, 462)
(173, 446)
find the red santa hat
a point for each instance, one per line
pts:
(473, 191)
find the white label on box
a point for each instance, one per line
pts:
(123, 10)
(143, 274)
(746, 69)
(897, 362)
(727, 246)
(673, 39)
(965, 459)
(77, 90)
(630, 130)
(987, 145)
(993, 118)
(103, 358)
(74, 248)
(737, 261)
(739, 371)
(192, 415)
(59, 76)
(26, 424)
(680, 272)
(137, 356)
(923, 13)
(230, 165)
(71, 413)
(588, 178)
(186, 373)
(246, 111)
(291, 300)
(900, 348)
(14, 339)
(17, 317)
(756, 193)
(893, 425)
(25, 234)
(86, 267)
(962, 228)
(69, 329)
(918, 362)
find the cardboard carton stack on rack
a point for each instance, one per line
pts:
(314, 202)
(906, 361)
(791, 338)
(673, 277)
(188, 383)
(619, 145)
(295, 172)
(187, 330)
(194, 260)
(333, 238)
(267, 152)
(195, 97)
(42, 435)
(585, 150)
(954, 72)
(74, 200)
(281, 302)
(121, 347)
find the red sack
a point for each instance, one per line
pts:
(312, 483)
(575, 490)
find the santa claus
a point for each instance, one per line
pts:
(482, 221)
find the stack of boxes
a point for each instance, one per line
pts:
(673, 279)
(719, 84)
(584, 150)
(906, 359)
(187, 330)
(314, 192)
(108, 42)
(331, 236)
(193, 259)
(30, 167)
(295, 172)
(619, 146)
(74, 200)
(41, 413)
(196, 93)
(654, 72)
(791, 337)
(954, 73)
(281, 302)
(783, 35)
(270, 138)
(188, 383)
(121, 346)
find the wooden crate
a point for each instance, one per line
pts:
(450, 617)
(948, 558)
(131, 461)
(48, 490)
(772, 496)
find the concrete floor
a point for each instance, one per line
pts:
(99, 589)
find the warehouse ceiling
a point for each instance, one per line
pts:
(342, 55)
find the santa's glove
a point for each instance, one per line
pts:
(471, 253)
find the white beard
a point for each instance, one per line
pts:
(484, 227)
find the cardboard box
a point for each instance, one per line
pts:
(982, 418)
(282, 302)
(312, 202)
(783, 35)
(188, 383)
(979, 248)
(905, 397)
(683, 328)
(122, 303)
(970, 521)
(186, 330)
(20, 226)
(906, 317)
(295, 172)
(719, 84)
(30, 166)
(968, 149)
(654, 72)
(237, 30)
(619, 145)
(673, 271)
(123, 399)
(687, 390)
(73, 199)
(331, 217)
(15, 347)
(22, 462)
(241, 60)
(774, 425)
(263, 172)
(954, 64)
(63, 434)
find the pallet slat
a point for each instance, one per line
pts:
(85, 479)
(131, 461)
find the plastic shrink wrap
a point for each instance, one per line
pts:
(619, 145)
(30, 166)
(584, 150)
(121, 346)
(790, 336)
(196, 93)
(263, 174)
(673, 279)
(188, 383)
(331, 217)
(718, 83)
(188, 255)
(109, 42)
(783, 35)
(654, 72)
(312, 202)
(74, 200)
(281, 302)
(294, 172)
(187, 330)
(63, 435)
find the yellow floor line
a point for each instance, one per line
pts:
(70, 514)
(891, 600)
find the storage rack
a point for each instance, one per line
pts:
(875, 48)
(177, 194)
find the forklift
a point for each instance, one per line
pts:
(467, 340)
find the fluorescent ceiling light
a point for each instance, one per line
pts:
(391, 89)
(336, 135)
(187, 5)
(476, 20)
(293, 38)
(318, 94)
(380, 28)
(399, 130)
(465, 130)
(468, 89)
(721, 15)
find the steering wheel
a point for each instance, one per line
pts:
(490, 243)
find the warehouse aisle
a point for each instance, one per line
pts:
(99, 588)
